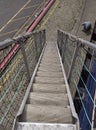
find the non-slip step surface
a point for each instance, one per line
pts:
(49, 69)
(55, 99)
(48, 80)
(48, 99)
(50, 65)
(49, 114)
(44, 126)
(50, 74)
(49, 88)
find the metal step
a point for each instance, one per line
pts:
(36, 98)
(50, 74)
(49, 88)
(47, 114)
(56, 69)
(48, 80)
(48, 101)
(44, 126)
(50, 65)
(50, 68)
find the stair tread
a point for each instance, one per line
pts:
(44, 69)
(52, 88)
(50, 65)
(51, 74)
(49, 114)
(48, 101)
(51, 68)
(54, 80)
(57, 99)
(44, 126)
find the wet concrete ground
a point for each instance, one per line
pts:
(14, 14)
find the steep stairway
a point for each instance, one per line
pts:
(48, 100)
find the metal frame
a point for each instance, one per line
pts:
(42, 126)
(81, 41)
(28, 89)
(73, 61)
(21, 40)
(74, 114)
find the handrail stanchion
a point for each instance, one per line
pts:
(35, 44)
(73, 61)
(21, 43)
(25, 59)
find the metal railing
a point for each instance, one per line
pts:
(73, 52)
(15, 78)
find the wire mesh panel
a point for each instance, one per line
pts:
(73, 53)
(13, 84)
(14, 78)
(5, 52)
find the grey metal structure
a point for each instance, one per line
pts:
(47, 93)
(36, 83)
(80, 75)
(15, 78)
(71, 51)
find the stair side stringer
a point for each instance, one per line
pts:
(28, 89)
(74, 114)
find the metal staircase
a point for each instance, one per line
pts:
(36, 87)
(48, 102)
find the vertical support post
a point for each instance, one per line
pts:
(61, 41)
(58, 39)
(73, 61)
(62, 55)
(41, 46)
(35, 44)
(64, 46)
(44, 36)
(93, 112)
(25, 59)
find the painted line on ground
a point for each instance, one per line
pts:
(28, 7)
(3, 34)
(17, 19)
(51, 12)
(30, 18)
(15, 15)
(9, 74)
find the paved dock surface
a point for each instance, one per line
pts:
(15, 13)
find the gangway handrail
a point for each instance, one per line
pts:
(82, 41)
(74, 114)
(73, 51)
(17, 74)
(29, 29)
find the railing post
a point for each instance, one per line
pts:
(62, 43)
(44, 35)
(73, 61)
(58, 38)
(61, 46)
(25, 59)
(35, 44)
(21, 41)
(41, 46)
(64, 47)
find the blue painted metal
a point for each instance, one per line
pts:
(91, 85)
